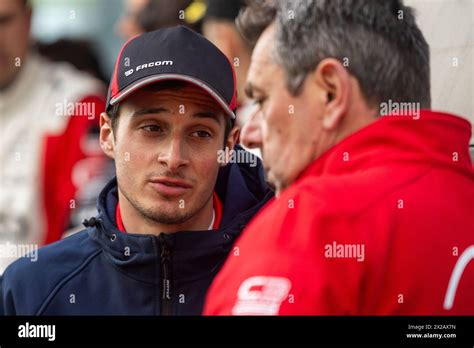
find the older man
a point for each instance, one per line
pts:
(375, 191)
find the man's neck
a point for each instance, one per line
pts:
(136, 223)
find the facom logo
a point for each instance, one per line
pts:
(148, 65)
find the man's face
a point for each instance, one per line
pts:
(165, 148)
(128, 26)
(15, 20)
(285, 127)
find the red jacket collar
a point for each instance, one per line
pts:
(435, 138)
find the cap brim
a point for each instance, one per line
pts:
(162, 77)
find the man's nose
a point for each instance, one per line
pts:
(173, 155)
(251, 134)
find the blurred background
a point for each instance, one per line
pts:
(56, 58)
(104, 24)
(90, 21)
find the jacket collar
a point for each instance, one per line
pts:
(433, 139)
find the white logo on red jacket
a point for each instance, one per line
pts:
(466, 257)
(261, 295)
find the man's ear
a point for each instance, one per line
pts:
(334, 81)
(233, 137)
(106, 135)
(230, 143)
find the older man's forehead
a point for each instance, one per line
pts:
(262, 56)
(263, 50)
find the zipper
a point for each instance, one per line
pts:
(166, 279)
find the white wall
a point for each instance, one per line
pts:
(448, 26)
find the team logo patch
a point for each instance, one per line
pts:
(261, 295)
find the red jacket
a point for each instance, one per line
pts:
(382, 224)
(49, 151)
(63, 157)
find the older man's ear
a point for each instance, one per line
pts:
(106, 135)
(334, 80)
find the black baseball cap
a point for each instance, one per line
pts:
(175, 53)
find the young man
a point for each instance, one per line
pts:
(374, 207)
(168, 221)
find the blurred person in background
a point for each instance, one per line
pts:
(219, 27)
(373, 214)
(141, 16)
(78, 52)
(94, 171)
(46, 112)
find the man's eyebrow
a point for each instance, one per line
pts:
(149, 111)
(208, 114)
(250, 90)
(7, 17)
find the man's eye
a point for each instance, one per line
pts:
(5, 20)
(259, 101)
(152, 128)
(201, 134)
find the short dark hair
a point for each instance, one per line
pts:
(114, 111)
(384, 48)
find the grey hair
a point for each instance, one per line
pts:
(378, 42)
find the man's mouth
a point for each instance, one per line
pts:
(172, 182)
(170, 187)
